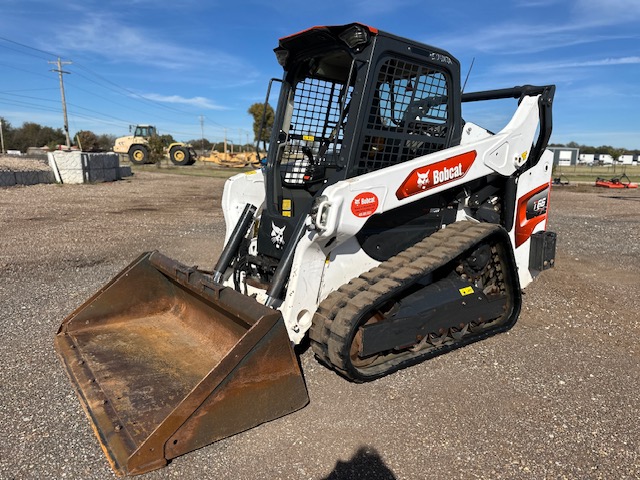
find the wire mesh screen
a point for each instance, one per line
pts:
(314, 123)
(408, 116)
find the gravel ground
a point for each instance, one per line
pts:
(23, 164)
(556, 397)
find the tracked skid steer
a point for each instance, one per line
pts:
(382, 224)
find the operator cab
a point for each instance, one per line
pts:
(353, 100)
(144, 131)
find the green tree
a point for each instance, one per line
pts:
(201, 144)
(218, 147)
(156, 148)
(257, 111)
(7, 133)
(87, 141)
(166, 139)
(35, 135)
(616, 152)
(106, 142)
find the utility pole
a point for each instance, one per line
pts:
(225, 140)
(1, 136)
(202, 131)
(64, 102)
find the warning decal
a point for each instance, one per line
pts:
(466, 291)
(364, 204)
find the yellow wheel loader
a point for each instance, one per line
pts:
(383, 225)
(136, 147)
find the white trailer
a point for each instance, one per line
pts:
(628, 159)
(586, 158)
(604, 159)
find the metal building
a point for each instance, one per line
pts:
(565, 156)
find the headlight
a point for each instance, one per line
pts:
(282, 55)
(355, 36)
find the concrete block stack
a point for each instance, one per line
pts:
(25, 175)
(81, 167)
(62, 167)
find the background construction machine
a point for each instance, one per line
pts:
(232, 160)
(383, 225)
(136, 146)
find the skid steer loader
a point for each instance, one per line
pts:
(382, 224)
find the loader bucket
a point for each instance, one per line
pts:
(166, 361)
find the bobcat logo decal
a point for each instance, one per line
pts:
(436, 174)
(277, 235)
(423, 179)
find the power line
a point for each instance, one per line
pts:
(137, 95)
(37, 106)
(96, 95)
(10, 92)
(113, 102)
(34, 106)
(24, 53)
(131, 92)
(148, 102)
(121, 122)
(105, 83)
(68, 103)
(29, 96)
(134, 97)
(27, 71)
(29, 47)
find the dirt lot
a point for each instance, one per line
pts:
(556, 397)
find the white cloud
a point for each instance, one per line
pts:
(600, 63)
(588, 22)
(201, 102)
(106, 36)
(380, 7)
(509, 38)
(564, 65)
(606, 12)
(536, 3)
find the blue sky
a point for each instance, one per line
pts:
(169, 62)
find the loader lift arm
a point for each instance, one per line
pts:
(545, 104)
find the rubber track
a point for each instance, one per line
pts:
(336, 315)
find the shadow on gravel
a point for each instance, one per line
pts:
(619, 197)
(366, 464)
